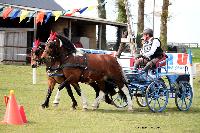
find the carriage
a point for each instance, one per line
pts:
(154, 88)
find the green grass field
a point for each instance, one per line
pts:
(107, 119)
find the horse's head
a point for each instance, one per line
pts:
(36, 53)
(57, 46)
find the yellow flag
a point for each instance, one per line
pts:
(91, 8)
(24, 14)
(57, 14)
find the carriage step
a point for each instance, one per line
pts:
(138, 95)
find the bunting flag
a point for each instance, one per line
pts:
(48, 14)
(15, 13)
(71, 13)
(6, 12)
(40, 17)
(91, 8)
(82, 10)
(31, 14)
(57, 14)
(24, 14)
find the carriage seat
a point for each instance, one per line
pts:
(162, 61)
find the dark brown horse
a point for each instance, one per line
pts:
(52, 78)
(87, 68)
(55, 75)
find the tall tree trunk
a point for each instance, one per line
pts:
(140, 22)
(121, 17)
(102, 14)
(163, 25)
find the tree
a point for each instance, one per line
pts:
(121, 17)
(102, 27)
(140, 22)
(163, 25)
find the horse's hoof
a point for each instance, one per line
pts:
(55, 104)
(85, 109)
(72, 109)
(130, 109)
(44, 106)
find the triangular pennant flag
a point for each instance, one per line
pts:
(40, 17)
(31, 14)
(91, 8)
(82, 10)
(6, 12)
(24, 14)
(48, 14)
(15, 13)
(57, 14)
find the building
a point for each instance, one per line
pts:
(16, 38)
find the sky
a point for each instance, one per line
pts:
(182, 25)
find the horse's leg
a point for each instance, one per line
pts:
(70, 93)
(57, 98)
(129, 100)
(97, 101)
(77, 88)
(101, 96)
(95, 86)
(51, 84)
(81, 93)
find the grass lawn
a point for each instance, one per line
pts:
(107, 119)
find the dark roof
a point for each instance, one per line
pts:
(41, 4)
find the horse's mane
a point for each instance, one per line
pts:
(67, 44)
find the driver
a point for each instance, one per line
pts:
(150, 53)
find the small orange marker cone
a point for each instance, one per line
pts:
(12, 115)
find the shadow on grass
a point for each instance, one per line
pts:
(146, 110)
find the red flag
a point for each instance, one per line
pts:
(40, 17)
(52, 36)
(6, 12)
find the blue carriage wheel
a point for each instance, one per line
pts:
(183, 96)
(157, 96)
(119, 101)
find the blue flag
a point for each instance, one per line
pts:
(48, 15)
(31, 14)
(82, 10)
(15, 13)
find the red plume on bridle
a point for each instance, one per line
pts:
(52, 36)
(36, 43)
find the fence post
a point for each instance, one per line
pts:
(34, 75)
(190, 69)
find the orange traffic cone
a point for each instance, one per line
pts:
(23, 115)
(12, 115)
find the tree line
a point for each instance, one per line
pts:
(122, 17)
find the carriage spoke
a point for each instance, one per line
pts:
(185, 103)
(158, 103)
